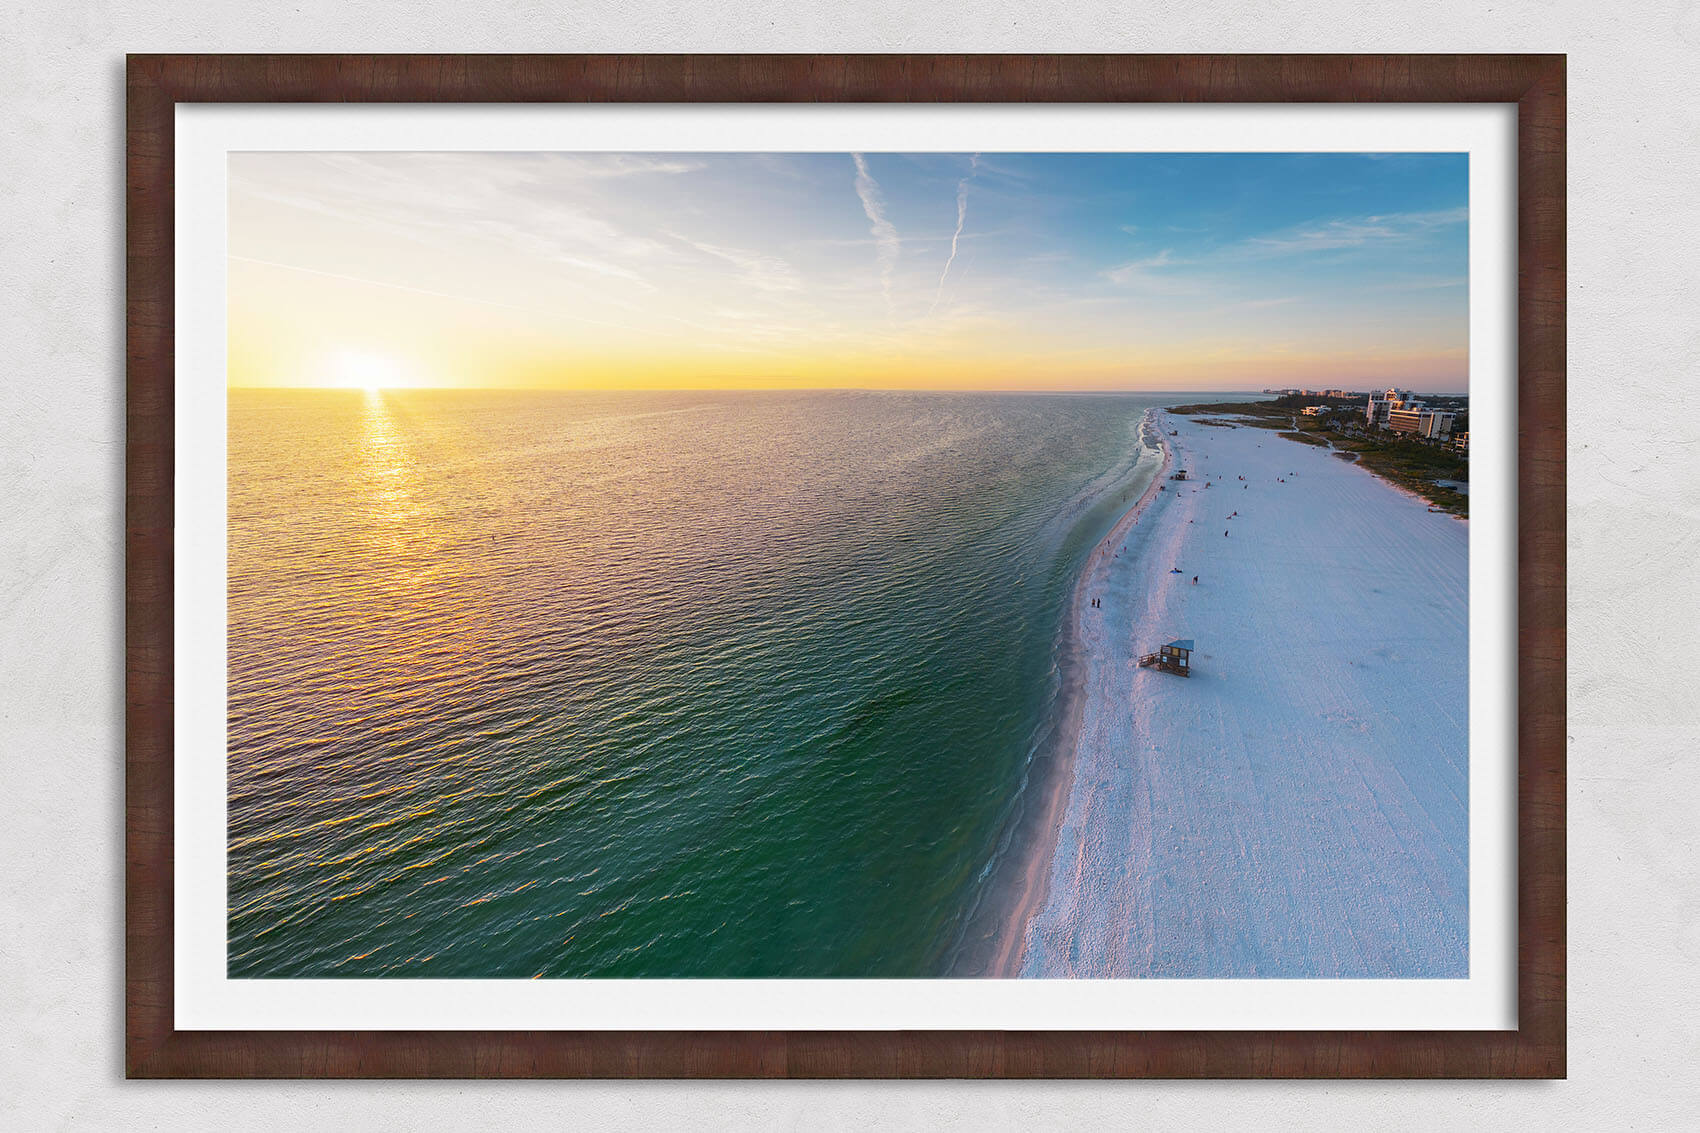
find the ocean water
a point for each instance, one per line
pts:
(644, 685)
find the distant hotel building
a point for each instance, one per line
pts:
(1433, 423)
(1398, 410)
(1337, 394)
(1381, 404)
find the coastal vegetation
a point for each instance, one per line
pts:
(1412, 464)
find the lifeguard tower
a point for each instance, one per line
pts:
(1175, 657)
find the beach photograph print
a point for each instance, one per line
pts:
(848, 565)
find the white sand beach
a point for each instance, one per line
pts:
(1298, 806)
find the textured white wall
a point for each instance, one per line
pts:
(1634, 545)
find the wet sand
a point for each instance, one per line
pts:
(1027, 894)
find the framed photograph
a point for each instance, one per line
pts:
(846, 566)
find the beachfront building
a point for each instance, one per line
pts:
(1434, 424)
(1461, 443)
(1312, 411)
(1383, 403)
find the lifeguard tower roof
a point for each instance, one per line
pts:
(1183, 643)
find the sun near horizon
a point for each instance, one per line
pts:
(1064, 272)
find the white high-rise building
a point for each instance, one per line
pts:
(1384, 403)
(1415, 419)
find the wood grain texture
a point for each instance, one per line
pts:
(157, 83)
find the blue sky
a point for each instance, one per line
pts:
(1075, 271)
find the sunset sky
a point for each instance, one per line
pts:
(936, 271)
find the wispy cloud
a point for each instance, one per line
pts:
(522, 204)
(458, 298)
(955, 237)
(1137, 271)
(763, 272)
(1356, 232)
(1006, 172)
(884, 232)
(622, 165)
(1426, 284)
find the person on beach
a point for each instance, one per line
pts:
(1195, 580)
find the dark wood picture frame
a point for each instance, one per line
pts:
(154, 1048)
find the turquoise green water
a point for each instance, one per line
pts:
(643, 685)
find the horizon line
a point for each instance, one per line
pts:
(776, 389)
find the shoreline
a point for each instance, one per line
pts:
(1034, 888)
(1298, 808)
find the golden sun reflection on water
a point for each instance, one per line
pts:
(394, 506)
(416, 578)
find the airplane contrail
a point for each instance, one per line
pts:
(884, 232)
(961, 217)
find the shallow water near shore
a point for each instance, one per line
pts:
(644, 685)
